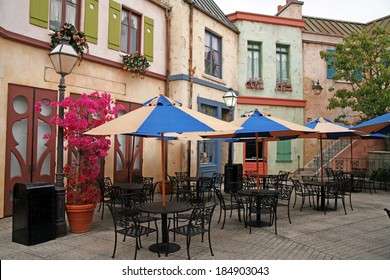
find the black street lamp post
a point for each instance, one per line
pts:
(230, 98)
(64, 58)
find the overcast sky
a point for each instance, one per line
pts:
(361, 11)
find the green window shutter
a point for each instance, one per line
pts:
(114, 25)
(283, 150)
(148, 37)
(91, 20)
(39, 12)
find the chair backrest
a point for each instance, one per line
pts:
(329, 173)
(105, 185)
(205, 183)
(297, 185)
(309, 178)
(217, 180)
(265, 204)
(181, 177)
(220, 197)
(201, 216)
(148, 191)
(284, 192)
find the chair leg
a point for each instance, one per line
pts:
(288, 211)
(188, 241)
(115, 241)
(211, 249)
(303, 202)
(295, 198)
(224, 219)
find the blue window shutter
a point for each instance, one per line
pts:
(330, 71)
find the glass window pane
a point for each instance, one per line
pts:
(71, 12)
(55, 14)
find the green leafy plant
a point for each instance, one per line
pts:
(75, 38)
(136, 64)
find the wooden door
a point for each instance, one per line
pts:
(29, 157)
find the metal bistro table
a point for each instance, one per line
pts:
(169, 208)
(127, 187)
(258, 194)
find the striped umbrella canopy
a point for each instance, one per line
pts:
(263, 127)
(379, 124)
(327, 129)
(158, 116)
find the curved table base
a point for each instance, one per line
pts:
(163, 247)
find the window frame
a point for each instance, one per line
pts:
(63, 13)
(138, 44)
(280, 53)
(211, 62)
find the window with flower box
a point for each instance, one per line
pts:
(254, 80)
(282, 68)
(130, 31)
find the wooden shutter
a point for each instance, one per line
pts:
(330, 71)
(283, 150)
(148, 37)
(114, 25)
(39, 12)
(91, 20)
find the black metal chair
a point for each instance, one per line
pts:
(205, 186)
(198, 224)
(302, 191)
(148, 190)
(262, 205)
(236, 204)
(387, 211)
(217, 180)
(128, 223)
(284, 197)
(105, 186)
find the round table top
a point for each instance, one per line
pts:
(255, 192)
(158, 208)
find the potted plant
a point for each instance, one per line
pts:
(284, 85)
(81, 115)
(255, 83)
(136, 63)
(75, 38)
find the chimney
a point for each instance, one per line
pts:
(280, 7)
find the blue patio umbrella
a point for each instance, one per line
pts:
(260, 126)
(379, 124)
(158, 116)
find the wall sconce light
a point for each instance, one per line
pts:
(317, 88)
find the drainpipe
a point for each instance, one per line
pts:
(191, 75)
(168, 50)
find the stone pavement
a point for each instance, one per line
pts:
(362, 234)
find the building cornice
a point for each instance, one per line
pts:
(266, 19)
(269, 101)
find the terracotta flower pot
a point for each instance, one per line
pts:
(80, 217)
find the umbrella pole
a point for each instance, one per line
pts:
(351, 153)
(257, 163)
(322, 162)
(163, 169)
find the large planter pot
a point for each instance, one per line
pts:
(80, 217)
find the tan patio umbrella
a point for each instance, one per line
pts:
(158, 116)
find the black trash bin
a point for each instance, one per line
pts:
(233, 173)
(33, 213)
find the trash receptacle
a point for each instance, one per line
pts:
(33, 213)
(233, 173)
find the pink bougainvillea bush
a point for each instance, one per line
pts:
(81, 115)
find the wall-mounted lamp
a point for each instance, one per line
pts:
(317, 88)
